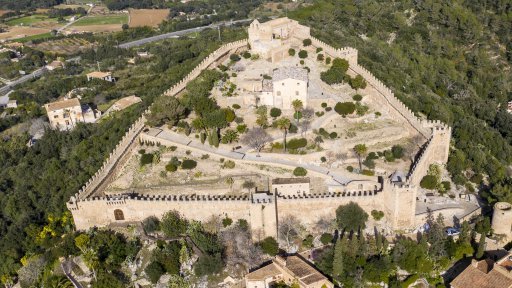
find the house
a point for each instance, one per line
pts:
(509, 107)
(292, 269)
(65, 114)
(106, 76)
(486, 274)
(287, 84)
(123, 103)
(290, 186)
(54, 65)
(12, 104)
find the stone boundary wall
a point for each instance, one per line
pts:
(97, 179)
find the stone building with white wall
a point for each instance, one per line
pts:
(287, 84)
(66, 114)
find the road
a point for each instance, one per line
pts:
(178, 33)
(72, 22)
(37, 73)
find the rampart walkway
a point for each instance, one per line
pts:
(263, 158)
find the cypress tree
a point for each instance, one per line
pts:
(481, 247)
(337, 265)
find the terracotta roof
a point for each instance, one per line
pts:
(483, 275)
(278, 181)
(62, 104)
(263, 273)
(98, 74)
(303, 270)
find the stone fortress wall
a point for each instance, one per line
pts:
(396, 199)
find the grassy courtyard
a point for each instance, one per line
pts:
(102, 20)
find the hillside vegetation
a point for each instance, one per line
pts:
(448, 61)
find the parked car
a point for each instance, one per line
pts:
(452, 231)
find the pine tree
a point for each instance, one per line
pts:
(481, 247)
(337, 265)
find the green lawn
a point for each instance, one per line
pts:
(102, 20)
(29, 20)
(35, 37)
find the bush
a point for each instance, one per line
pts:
(151, 224)
(303, 54)
(208, 264)
(447, 185)
(299, 171)
(234, 57)
(323, 159)
(223, 68)
(333, 135)
(411, 279)
(308, 242)
(188, 164)
(246, 55)
(275, 112)
(301, 62)
(293, 128)
(291, 52)
(154, 271)
(328, 60)
(320, 57)
(227, 222)
(477, 178)
(324, 105)
(242, 223)
(306, 42)
(326, 238)
(328, 109)
(146, 159)
(319, 49)
(236, 106)
(357, 97)
(142, 151)
(368, 172)
(297, 143)
(398, 151)
(377, 215)
(173, 225)
(171, 167)
(241, 128)
(269, 246)
(345, 108)
(428, 182)
(350, 169)
(229, 164)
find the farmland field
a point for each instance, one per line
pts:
(20, 32)
(102, 20)
(147, 17)
(30, 20)
(64, 46)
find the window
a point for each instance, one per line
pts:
(118, 214)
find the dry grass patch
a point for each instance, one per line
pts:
(147, 17)
(20, 32)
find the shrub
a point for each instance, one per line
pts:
(205, 156)
(320, 57)
(333, 135)
(291, 52)
(203, 137)
(241, 128)
(324, 105)
(171, 167)
(208, 264)
(323, 159)
(306, 42)
(300, 171)
(146, 159)
(234, 57)
(297, 143)
(293, 129)
(188, 164)
(411, 279)
(236, 106)
(308, 242)
(378, 114)
(447, 185)
(377, 215)
(275, 112)
(303, 54)
(301, 62)
(269, 246)
(255, 56)
(246, 55)
(227, 222)
(350, 169)
(369, 163)
(345, 108)
(223, 68)
(142, 151)
(357, 97)
(327, 109)
(319, 113)
(173, 225)
(154, 271)
(428, 182)
(368, 172)
(242, 223)
(477, 178)
(398, 151)
(328, 60)
(326, 238)
(173, 148)
(372, 156)
(319, 49)
(234, 74)
(151, 224)
(229, 164)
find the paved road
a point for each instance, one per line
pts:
(37, 73)
(262, 158)
(178, 33)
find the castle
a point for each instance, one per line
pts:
(395, 196)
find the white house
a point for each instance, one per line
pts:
(106, 76)
(287, 84)
(65, 114)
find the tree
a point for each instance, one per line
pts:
(291, 52)
(481, 247)
(283, 124)
(248, 185)
(300, 171)
(306, 42)
(358, 82)
(326, 238)
(289, 229)
(337, 265)
(256, 138)
(360, 150)
(208, 264)
(275, 112)
(297, 106)
(151, 224)
(188, 164)
(234, 57)
(428, 182)
(229, 136)
(269, 246)
(351, 217)
(303, 54)
(345, 108)
(125, 26)
(173, 225)
(165, 110)
(154, 271)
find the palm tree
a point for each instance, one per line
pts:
(360, 150)
(297, 106)
(283, 124)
